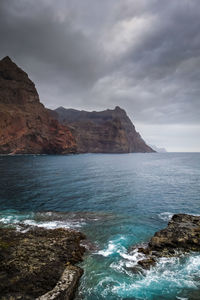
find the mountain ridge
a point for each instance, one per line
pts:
(108, 131)
(27, 127)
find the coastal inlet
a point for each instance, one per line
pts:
(118, 202)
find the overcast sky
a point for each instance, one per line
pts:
(143, 55)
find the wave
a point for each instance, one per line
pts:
(114, 247)
(166, 216)
(169, 274)
(49, 220)
(177, 275)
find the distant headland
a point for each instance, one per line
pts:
(27, 127)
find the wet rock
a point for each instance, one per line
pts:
(66, 286)
(39, 261)
(182, 232)
(144, 250)
(147, 263)
(181, 235)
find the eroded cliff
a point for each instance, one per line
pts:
(109, 131)
(25, 124)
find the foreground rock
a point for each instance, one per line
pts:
(25, 124)
(66, 286)
(108, 131)
(181, 235)
(39, 264)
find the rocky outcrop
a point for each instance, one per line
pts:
(66, 286)
(181, 235)
(25, 124)
(109, 131)
(39, 264)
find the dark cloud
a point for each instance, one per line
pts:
(37, 35)
(143, 55)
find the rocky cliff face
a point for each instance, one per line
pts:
(25, 124)
(109, 131)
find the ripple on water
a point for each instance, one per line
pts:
(145, 188)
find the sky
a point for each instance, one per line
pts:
(142, 55)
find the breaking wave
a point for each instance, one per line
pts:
(48, 220)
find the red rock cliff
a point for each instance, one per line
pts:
(109, 131)
(25, 124)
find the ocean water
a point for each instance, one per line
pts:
(118, 200)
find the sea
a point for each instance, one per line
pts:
(119, 201)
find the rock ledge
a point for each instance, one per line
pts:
(66, 286)
(180, 236)
(40, 263)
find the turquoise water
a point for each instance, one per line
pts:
(118, 201)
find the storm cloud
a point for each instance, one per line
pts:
(143, 55)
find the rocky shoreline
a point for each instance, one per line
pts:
(182, 235)
(39, 263)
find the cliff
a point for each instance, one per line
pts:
(109, 131)
(25, 124)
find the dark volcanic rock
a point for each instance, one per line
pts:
(182, 232)
(39, 261)
(66, 286)
(109, 131)
(181, 235)
(25, 124)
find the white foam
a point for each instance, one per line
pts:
(193, 265)
(118, 266)
(168, 274)
(166, 216)
(133, 257)
(105, 284)
(53, 224)
(196, 215)
(112, 248)
(9, 220)
(173, 274)
(19, 220)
